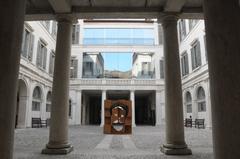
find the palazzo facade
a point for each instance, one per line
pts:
(90, 84)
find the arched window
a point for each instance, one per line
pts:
(70, 108)
(189, 102)
(201, 100)
(36, 101)
(49, 102)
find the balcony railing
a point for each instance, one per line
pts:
(116, 82)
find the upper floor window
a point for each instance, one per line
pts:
(36, 101)
(87, 68)
(205, 46)
(146, 68)
(73, 68)
(70, 108)
(49, 102)
(192, 23)
(189, 102)
(160, 34)
(75, 34)
(46, 24)
(182, 29)
(54, 29)
(162, 69)
(118, 36)
(41, 55)
(184, 64)
(51, 62)
(201, 100)
(196, 55)
(27, 44)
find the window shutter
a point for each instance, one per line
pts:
(75, 65)
(161, 69)
(198, 54)
(30, 49)
(182, 66)
(39, 54)
(193, 58)
(77, 33)
(44, 57)
(186, 64)
(23, 41)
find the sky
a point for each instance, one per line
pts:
(117, 61)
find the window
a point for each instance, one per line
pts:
(162, 69)
(189, 102)
(73, 68)
(201, 102)
(192, 23)
(146, 68)
(184, 64)
(75, 34)
(118, 36)
(46, 24)
(182, 29)
(41, 55)
(36, 101)
(160, 34)
(27, 45)
(87, 68)
(70, 108)
(54, 29)
(51, 63)
(205, 46)
(196, 55)
(49, 102)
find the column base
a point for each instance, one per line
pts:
(57, 151)
(175, 150)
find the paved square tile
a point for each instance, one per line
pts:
(90, 143)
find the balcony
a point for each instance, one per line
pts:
(116, 84)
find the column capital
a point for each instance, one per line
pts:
(66, 18)
(169, 18)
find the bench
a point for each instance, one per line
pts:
(199, 123)
(188, 122)
(39, 123)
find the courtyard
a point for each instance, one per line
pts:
(90, 143)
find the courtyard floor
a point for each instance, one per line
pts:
(90, 143)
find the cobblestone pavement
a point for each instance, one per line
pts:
(90, 143)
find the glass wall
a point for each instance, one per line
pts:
(118, 36)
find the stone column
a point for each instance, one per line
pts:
(22, 112)
(80, 65)
(104, 96)
(194, 105)
(78, 107)
(158, 108)
(157, 65)
(132, 95)
(58, 138)
(223, 36)
(175, 142)
(11, 27)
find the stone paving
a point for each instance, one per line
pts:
(90, 143)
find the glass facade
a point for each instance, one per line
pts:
(118, 36)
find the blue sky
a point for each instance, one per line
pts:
(117, 61)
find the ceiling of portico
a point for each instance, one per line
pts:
(47, 9)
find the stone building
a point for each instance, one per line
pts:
(222, 38)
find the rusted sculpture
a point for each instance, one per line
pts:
(118, 117)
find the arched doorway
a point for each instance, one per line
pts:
(21, 105)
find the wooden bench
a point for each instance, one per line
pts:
(199, 123)
(39, 123)
(188, 122)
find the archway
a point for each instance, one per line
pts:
(20, 121)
